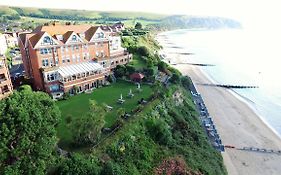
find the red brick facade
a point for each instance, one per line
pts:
(6, 87)
(51, 48)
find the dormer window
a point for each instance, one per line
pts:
(47, 40)
(74, 38)
(100, 35)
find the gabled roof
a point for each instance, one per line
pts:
(90, 32)
(65, 30)
(22, 37)
(34, 38)
(39, 36)
(66, 36)
(60, 29)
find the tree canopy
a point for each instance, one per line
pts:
(88, 128)
(27, 132)
(138, 25)
(79, 164)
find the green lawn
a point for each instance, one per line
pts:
(138, 62)
(78, 105)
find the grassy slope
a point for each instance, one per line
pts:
(142, 153)
(4, 10)
(79, 105)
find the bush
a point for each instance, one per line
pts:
(185, 82)
(78, 164)
(120, 71)
(25, 88)
(111, 168)
(159, 131)
(143, 51)
(175, 78)
(138, 26)
(66, 96)
(130, 69)
(110, 78)
(151, 71)
(162, 66)
(149, 62)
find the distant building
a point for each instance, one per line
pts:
(6, 87)
(68, 58)
(114, 42)
(119, 26)
(11, 40)
(3, 44)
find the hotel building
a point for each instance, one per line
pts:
(6, 87)
(68, 58)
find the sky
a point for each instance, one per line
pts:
(250, 12)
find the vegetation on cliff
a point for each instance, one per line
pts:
(151, 133)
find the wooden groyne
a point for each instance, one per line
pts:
(254, 149)
(182, 53)
(231, 86)
(235, 86)
(176, 47)
(197, 64)
(261, 150)
(186, 53)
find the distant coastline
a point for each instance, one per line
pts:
(240, 97)
(239, 124)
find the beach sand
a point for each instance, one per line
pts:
(240, 126)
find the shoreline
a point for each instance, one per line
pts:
(243, 100)
(255, 133)
(239, 124)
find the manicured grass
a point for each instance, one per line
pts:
(138, 62)
(78, 105)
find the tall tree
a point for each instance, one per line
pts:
(27, 132)
(87, 129)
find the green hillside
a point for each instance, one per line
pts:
(75, 14)
(7, 11)
(32, 17)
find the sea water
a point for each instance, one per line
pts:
(240, 57)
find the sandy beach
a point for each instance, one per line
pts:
(240, 126)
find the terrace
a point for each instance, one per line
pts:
(79, 105)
